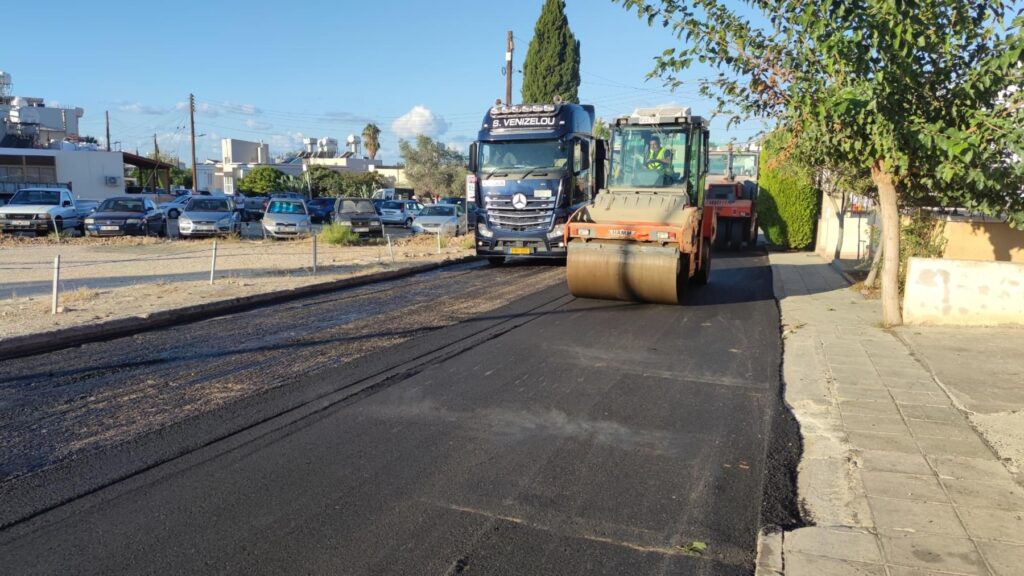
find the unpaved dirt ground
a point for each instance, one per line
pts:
(55, 406)
(109, 278)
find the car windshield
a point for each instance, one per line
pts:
(648, 157)
(121, 205)
(208, 205)
(286, 207)
(392, 205)
(523, 155)
(46, 197)
(437, 210)
(347, 206)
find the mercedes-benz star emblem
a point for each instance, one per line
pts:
(519, 201)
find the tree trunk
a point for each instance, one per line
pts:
(840, 210)
(889, 209)
(876, 260)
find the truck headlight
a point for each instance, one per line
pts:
(344, 222)
(483, 230)
(557, 232)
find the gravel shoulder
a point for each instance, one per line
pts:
(107, 279)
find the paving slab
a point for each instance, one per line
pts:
(971, 493)
(903, 486)
(934, 552)
(1005, 559)
(993, 524)
(903, 462)
(895, 516)
(804, 565)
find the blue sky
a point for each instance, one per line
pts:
(280, 71)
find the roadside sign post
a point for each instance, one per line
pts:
(213, 262)
(56, 284)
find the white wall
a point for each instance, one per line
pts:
(87, 172)
(963, 292)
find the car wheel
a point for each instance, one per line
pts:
(173, 214)
(408, 222)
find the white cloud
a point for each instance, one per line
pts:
(216, 109)
(140, 108)
(284, 143)
(257, 125)
(420, 120)
(204, 108)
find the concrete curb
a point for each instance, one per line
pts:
(31, 344)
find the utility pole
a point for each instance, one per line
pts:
(156, 157)
(107, 114)
(192, 123)
(508, 69)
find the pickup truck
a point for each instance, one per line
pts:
(41, 210)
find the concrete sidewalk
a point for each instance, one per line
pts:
(894, 476)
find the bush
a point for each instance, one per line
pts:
(338, 235)
(921, 236)
(788, 204)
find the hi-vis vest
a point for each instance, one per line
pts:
(659, 161)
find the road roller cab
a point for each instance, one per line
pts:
(732, 190)
(647, 234)
(532, 166)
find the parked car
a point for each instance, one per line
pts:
(208, 216)
(400, 212)
(320, 209)
(43, 210)
(470, 210)
(125, 216)
(295, 195)
(286, 218)
(360, 215)
(174, 208)
(378, 203)
(394, 194)
(444, 219)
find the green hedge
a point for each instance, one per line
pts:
(787, 207)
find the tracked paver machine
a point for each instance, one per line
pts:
(647, 234)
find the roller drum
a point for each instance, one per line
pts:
(624, 271)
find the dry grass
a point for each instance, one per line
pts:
(11, 240)
(72, 299)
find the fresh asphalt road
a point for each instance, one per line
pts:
(552, 436)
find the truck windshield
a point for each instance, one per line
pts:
(523, 155)
(718, 163)
(648, 157)
(36, 197)
(744, 164)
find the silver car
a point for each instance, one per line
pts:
(444, 219)
(286, 218)
(400, 212)
(208, 216)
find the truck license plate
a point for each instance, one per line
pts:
(19, 222)
(108, 228)
(518, 250)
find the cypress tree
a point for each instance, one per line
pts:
(552, 65)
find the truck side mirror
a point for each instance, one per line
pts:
(66, 204)
(472, 157)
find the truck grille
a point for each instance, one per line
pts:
(21, 216)
(538, 213)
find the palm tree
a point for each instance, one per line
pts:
(371, 140)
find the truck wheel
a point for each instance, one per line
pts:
(736, 233)
(703, 275)
(723, 233)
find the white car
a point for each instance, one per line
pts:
(286, 218)
(444, 219)
(208, 216)
(175, 207)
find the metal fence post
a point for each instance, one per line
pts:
(314, 254)
(56, 231)
(56, 284)
(213, 262)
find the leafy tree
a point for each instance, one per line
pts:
(788, 202)
(88, 139)
(433, 168)
(922, 95)
(262, 180)
(326, 182)
(552, 65)
(601, 129)
(371, 140)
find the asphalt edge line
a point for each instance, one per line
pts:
(54, 340)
